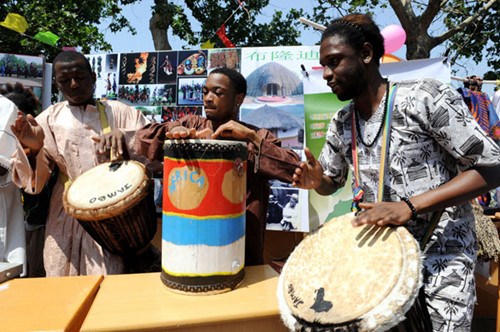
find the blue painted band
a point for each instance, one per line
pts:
(218, 231)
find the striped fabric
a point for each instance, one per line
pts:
(483, 111)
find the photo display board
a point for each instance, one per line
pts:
(286, 95)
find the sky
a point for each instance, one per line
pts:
(139, 15)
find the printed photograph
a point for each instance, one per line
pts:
(97, 64)
(135, 95)
(167, 64)
(190, 91)
(157, 184)
(172, 113)
(152, 113)
(111, 62)
(284, 210)
(275, 99)
(138, 68)
(25, 69)
(192, 63)
(229, 58)
(163, 95)
(110, 84)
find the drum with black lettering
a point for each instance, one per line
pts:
(345, 278)
(113, 203)
(203, 229)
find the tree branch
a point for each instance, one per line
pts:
(159, 23)
(405, 13)
(448, 34)
(430, 13)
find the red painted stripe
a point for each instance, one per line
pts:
(192, 182)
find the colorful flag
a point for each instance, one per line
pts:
(47, 37)
(208, 44)
(222, 35)
(15, 22)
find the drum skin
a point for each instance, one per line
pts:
(113, 203)
(204, 204)
(350, 278)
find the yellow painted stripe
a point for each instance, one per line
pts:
(183, 215)
(177, 274)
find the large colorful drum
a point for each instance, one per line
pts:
(113, 202)
(345, 278)
(203, 232)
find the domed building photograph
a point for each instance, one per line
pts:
(281, 123)
(275, 98)
(273, 82)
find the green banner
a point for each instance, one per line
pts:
(320, 105)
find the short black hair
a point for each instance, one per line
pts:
(68, 56)
(237, 80)
(24, 98)
(356, 29)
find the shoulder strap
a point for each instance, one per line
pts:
(386, 139)
(104, 119)
(113, 156)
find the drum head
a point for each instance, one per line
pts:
(350, 276)
(106, 190)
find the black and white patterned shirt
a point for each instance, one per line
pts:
(433, 137)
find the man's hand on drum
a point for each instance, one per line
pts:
(181, 132)
(309, 174)
(111, 145)
(237, 131)
(28, 132)
(382, 214)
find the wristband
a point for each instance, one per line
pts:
(414, 213)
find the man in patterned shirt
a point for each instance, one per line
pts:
(437, 159)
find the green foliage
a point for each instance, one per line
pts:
(74, 21)
(241, 26)
(491, 75)
(180, 24)
(77, 21)
(476, 40)
(480, 38)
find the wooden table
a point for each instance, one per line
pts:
(46, 304)
(141, 302)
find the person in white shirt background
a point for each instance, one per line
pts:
(12, 233)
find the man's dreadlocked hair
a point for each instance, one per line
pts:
(356, 29)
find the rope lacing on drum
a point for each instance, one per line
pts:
(199, 146)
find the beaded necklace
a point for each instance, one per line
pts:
(360, 136)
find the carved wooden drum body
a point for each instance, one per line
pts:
(204, 200)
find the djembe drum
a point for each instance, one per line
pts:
(203, 232)
(345, 278)
(113, 203)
